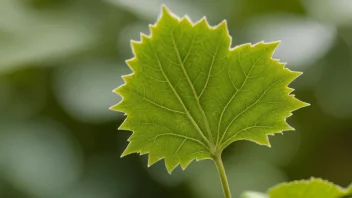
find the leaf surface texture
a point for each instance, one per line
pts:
(191, 95)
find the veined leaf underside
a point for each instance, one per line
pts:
(191, 95)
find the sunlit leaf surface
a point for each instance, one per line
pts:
(191, 94)
(313, 188)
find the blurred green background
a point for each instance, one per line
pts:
(60, 60)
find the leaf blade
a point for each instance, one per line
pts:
(191, 94)
(313, 188)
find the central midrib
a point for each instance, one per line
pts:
(205, 120)
(179, 98)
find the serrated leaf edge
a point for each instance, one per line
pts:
(166, 11)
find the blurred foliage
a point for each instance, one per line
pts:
(59, 61)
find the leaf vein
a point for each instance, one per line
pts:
(171, 133)
(192, 87)
(250, 106)
(156, 104)
(178, 97)
(210, 69)
(179, 148)
(234, 95)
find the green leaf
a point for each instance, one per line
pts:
(191, 94)
(349, 190)
(314, 188)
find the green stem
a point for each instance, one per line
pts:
(223, 177)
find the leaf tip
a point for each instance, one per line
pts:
(203, 20)
(164, 9)
(166, 12)
(135, 46)
(113, 107)
(263, 141)
(125, 152)
(186, 19)
(223, 25)
(152, 160)
(170, 167)
(275, 44)
(305, 104)
(130, 61)
(270, 46)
